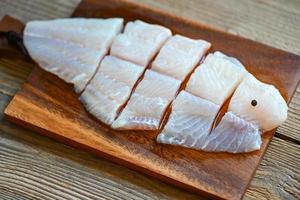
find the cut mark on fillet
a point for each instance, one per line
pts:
(110, 88)
(148, 103)
(136, 84)
(168, 112)
(107, 53)
(190, 121)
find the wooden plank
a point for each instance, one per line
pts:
(278, 175)
(37, 9)
(45, 96)
(66, 167)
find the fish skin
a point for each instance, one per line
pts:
(148, 103)
(218, 73)
(179, 56)
(70, 48)
(190, 121)
(140, 42)
(110, 88)
(271, 109)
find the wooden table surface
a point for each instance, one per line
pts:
(35, 167)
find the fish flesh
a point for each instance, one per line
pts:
(110, 88)
(216, 78)
(233, 135)
(71, 48)
(148, 103)
(190, 121)
(140, 42)
(258, 103)
(179, 56)
(192, 116)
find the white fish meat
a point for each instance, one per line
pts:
(233, 135)
(148, 103)
(216, 78)
(90, 33)
(190, 121)
(110, 88)
(258, 103)
(179, 56)
(71, 48)
(140, 42)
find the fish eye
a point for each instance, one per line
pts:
(253, 102)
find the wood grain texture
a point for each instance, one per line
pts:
(267, 182)
(25, 10)
(215, 175)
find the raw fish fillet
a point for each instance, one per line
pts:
(217, 78)
(90, 33)
(190, 121)
(270, 110)
(139, 42)
(179, 56)
(110, 88)
(71, 48)
(148, 103)
(233, 135)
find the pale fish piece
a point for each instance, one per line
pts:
(270, 110)
(90, 33)
(216, 78)
(71, 48)
(233, 135)
(140, 42)
(179, 56)
(110, 88)
(70, 63)
(190, 121)
(148, 103)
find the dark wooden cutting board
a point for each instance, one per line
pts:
(49, 106)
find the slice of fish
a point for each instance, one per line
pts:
(110, 88)
(259, 103)
(217, 78)
(90, 33)
(148, 103)
(233, 135)
(179, 56)
(190, 121)
(140, 42)
(71, 48)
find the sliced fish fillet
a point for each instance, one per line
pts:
(71, 48)
(90, 33)
(148, 103)
(217, 78)
(190, 121)
(269, 109)
(179, 56)
(233, 135)
(110, 88)
(139, 42)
